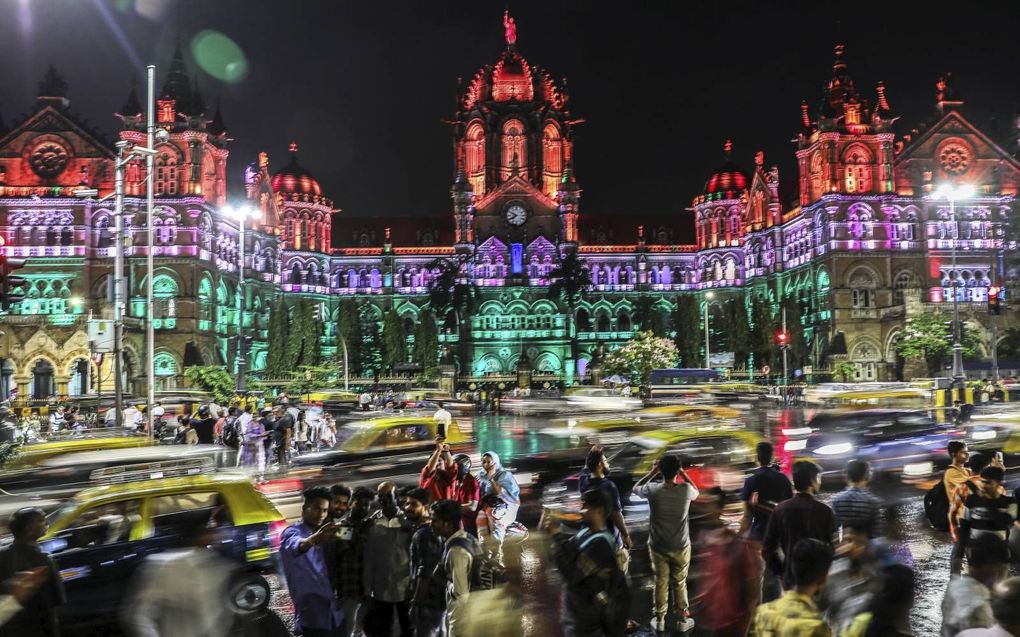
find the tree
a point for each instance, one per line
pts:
(762, 331)
(349, 329)
(213, 380)
(797, 355)
(649, 317)
(279, 324)
(738, 331)
(451, 291)
(571, 281)
(687, 327)
(640, 356)
(371, 353)
(394, 340)
(927, 337)
(844, 372)
(426, 344)
(303, 346)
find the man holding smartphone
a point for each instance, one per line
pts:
(317, 611)
(439, 473)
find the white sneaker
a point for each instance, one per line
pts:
(686, 624)
(659, 624)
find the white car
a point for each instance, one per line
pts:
(602, 400)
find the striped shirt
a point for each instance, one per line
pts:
(982, 515)
(854, 506)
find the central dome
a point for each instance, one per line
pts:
(728, 180)
(293, 179)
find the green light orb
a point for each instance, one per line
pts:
(219, 56)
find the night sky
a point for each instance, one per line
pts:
(363, 87)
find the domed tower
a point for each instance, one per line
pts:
(193, 161)
(848, 148)
(718, 210)
(513, 138)
(305, 213)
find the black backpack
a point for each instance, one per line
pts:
(936, 506)
(231, 435)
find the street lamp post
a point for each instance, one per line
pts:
(708, 356)
(150, 332)
(241, 214)
(952, 194)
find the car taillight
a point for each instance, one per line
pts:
(282, 485)
(276, 528)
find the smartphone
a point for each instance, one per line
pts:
(345, 533)
(441, 429)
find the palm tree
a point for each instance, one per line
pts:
(449, 291)
(570, 281)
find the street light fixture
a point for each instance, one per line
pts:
(952, 194)
(241, 214)
(708, 357)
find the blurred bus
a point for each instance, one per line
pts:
(672, 383)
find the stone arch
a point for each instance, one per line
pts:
(548, 363)
(863, 275)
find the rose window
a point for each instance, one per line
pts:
(48, 159)
(954, 159)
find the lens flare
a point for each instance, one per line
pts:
(219, 56)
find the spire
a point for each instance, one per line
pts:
(461, 183)
(840, 89)
(52, 89)
(509, 29)
(177, 85)
(728, 148)
(946, 96)
(132, 106)
(883, 103)
(292, 149)
(804, 117)
(216, 126)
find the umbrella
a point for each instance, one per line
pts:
(616, 379)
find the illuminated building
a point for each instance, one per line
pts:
(865, 247)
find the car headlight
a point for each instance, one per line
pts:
(834, 450)
(983, 435)
(795, 445)
(800, 431)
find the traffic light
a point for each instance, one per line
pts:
(995, 300)
(9, 283)
(782, 339)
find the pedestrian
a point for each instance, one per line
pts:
(796, 613)
(853, 579)
(387, 566)
(892, 548)
(467, 492)
(300, 433)
(38, 615)
(888, 613)
(18, 589)
(988, 510)
(180, 593)
(763, 490)
(204, 423)
(1005, 609)
(350, 559)
(798, 518)
(597, 599)
(855, 505)
(967, 600)
(595, 475)
(669, 541)
(365, 400)
(729, 578)
(253, 449)
(428, 596)
(500, 500)
(956, 474)
(439, 472)
(460, 565)
(443, 420)
(317, 611)
(283, 431)
(327, 433)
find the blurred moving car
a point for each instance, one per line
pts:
(997, 430)
(596, 399)
(100, 537)
(905, 442)
(388, 447)
(89, 440)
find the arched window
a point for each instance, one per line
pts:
(904, 280)
(51, 236)
(623, 322)
(167, 178)
(515, 153)
(474, 157)
(857, 170)
(164, 306)
(205, 301)
(79, 381)
(66, 236)
(42, 385)
(552, 159)
(603, 323)
(583, 320)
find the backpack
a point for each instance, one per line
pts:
(936, 506)
(231, 435)
(480, 580)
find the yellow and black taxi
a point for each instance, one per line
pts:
(91, 440)
(101, 536)
(378, 447)
(992, 431)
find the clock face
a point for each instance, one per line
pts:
(516, 214)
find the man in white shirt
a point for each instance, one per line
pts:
(442, 417)
(461, 552)
(365, 400)
(132, 417)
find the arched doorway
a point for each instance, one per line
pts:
(6, 379)
(42, 386)
(79, 378)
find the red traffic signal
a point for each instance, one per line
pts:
(782, 339)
